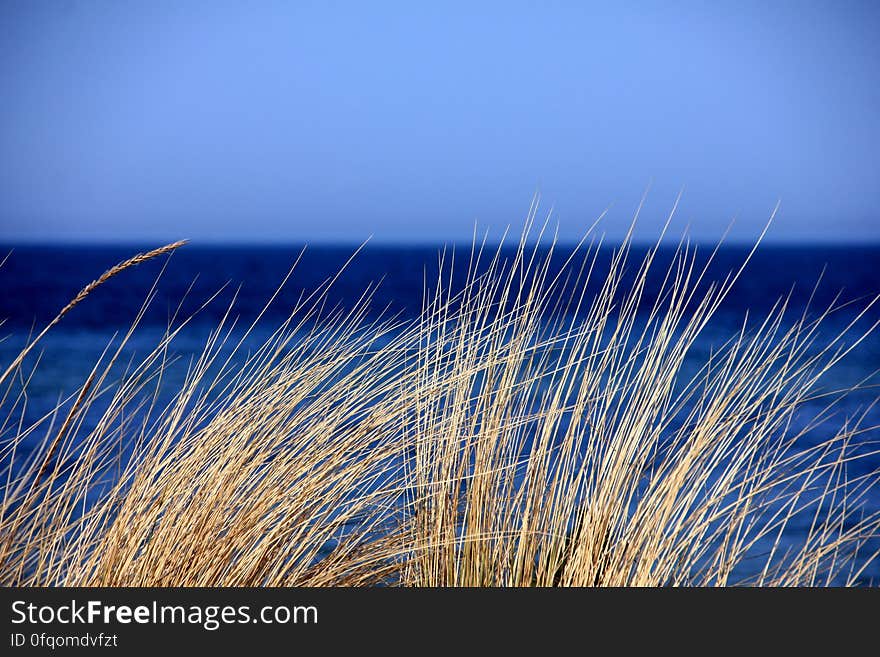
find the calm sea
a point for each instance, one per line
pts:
(36, 281)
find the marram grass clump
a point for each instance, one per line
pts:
(522, 432)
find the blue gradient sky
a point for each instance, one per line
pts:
(292, 121)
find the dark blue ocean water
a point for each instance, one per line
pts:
(37, 281)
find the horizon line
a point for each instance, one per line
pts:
(426, 243)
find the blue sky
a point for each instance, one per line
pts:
(293, 121)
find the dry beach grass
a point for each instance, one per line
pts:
(520, 433)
